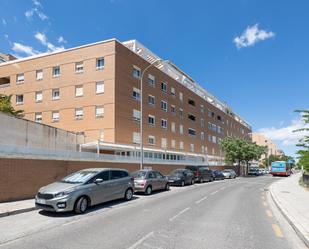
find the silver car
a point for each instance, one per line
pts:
(149, 180)
(85, 188)
(229, 173)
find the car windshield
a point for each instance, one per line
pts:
(79, 177)
(226, 170)
(177, 172)
(139, 174)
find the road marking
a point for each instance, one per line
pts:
(180, 213)
(269, 213)
(264, 203)
(277, 230)
(203, 199)
(141, 240)
(213, 193)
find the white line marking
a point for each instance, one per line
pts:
(213, 193)
(180, 213)
(141, 240)
(203, 199)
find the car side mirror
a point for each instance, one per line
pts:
(98, 180)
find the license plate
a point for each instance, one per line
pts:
(41, 201)
(171, 180)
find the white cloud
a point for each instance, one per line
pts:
(29, 13)
(3, 22)
(61, 40)
(37, 10)
(285, 135)
(41, 37)
(41, 15)
(37, 3)
(21, 48)
(6, 36)
(251, 36)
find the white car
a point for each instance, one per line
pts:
(229, 173)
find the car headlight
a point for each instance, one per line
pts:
(64, 193)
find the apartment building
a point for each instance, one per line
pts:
(95, 89)
(272, 148)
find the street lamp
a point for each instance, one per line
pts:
(155, 63)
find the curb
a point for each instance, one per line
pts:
(296, 229)
(19, 211)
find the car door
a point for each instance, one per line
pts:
(118, 183)
(100, 192)
(160, 179)
(186, 176)
(152, 180)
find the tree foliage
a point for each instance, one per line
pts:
(239, 150)
(6, 106)
(273, 158)
(304, 142)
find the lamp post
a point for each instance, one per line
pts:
(155, 63)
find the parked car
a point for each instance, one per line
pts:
(229, 173)
(181, 177)
(201, 173)
(85, 188)
(253, 171)
(218, 175)
(147, 181)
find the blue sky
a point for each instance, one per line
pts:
(253, 54)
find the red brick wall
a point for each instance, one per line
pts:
(21, 178)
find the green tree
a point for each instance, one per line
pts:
(6, 106)
(239, 151)
(273, 158)
(304, 142)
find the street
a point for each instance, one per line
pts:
(236, 213)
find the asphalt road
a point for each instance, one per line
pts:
(235, 213)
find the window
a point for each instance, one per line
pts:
(151, 120)
(151, 100)
(173, 109)
(5, 81)
(192, 147)
(38, 117)
(191, 132)
(99, 87)
(181, 113)
(173, 143)
(20, 78)
(181, 145)
(79, 113)
(136, 72)
(181, 96)
(136, 94)
(56, 71)
(211, 114)
(99, 111)
(214, 139)
(191, 102)
(55, 116)
(173, 91)
(202, 136)
(173, 127)
(181, 129)
(79, 67)
(100, 63)
(19, 99)
(136, 115)
(164, 105)
(164, 87)
(209, 138)
(55, 94)
(151, 140)
(163, 142)
(191, 117)
(203, 149)
(136, 138)
(79, 91)
(39, 74)
(117, 174)
(151, 80)
(202, 108)
(164, 123)
(219, 117)
(38, 96)
(202, 123)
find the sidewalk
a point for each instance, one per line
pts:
(293, 202)
(16, 207)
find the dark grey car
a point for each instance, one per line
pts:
(85, 188)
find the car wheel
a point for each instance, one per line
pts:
(192, 181)
(182, 183)
(81, 205)
(148, 190)
(230, 177)
(201, 180)
(167, 187)
(128, 194)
